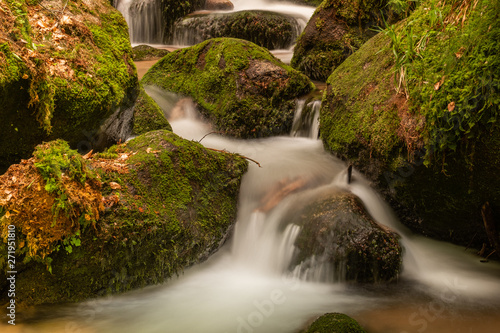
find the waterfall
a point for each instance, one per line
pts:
(248, 285)
(306, 119)
(144, 19)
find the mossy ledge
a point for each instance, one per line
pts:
(241, 87)
(423, 125)
(61, 75)
(168, 204)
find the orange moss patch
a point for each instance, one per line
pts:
(27, 205)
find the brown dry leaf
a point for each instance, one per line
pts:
(25, 76)
(66, 20)
(451, 106)
(115, 186)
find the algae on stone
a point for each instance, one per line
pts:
(241, 87)
(169, 203)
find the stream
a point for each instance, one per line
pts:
(247, 286)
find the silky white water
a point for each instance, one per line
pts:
(247, 286)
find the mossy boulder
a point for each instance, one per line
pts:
(334, 323)
(336, 30)
(337, 232)
(146, 52)
(241, 87)
(421, 120)
(148, 116)
(61, 75)
(267, 29)
(163, 203)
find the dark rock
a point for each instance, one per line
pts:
(336, 30)
(218, 5)
(337, 232)
(268, 29)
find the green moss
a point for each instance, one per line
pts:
(71, 84)
(148, 116)
(173, 207)
(240, 86)
(335, 323)
(362, 117)
(146, 52)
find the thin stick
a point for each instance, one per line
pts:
(215, 132)
(226, 152)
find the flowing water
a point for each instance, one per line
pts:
(247, 285)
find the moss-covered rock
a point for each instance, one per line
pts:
(218, 5)
(148, 116)
(420, 118)
(168, 203)
(241, 87)
(337, 232)
(146, 52)
(61, 75)
(267, 29)
(174, 10)
(334, 323)
(337, 29)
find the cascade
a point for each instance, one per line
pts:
(248, 285)
(144, 18)
(306, 119)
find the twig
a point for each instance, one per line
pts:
(215, 132)
(226, 152)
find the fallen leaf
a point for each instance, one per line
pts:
(25, 76)
(115, 186)
(451, 106)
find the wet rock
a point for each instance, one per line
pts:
(336, 30)
(218, 5)
(339, 241)
(268, 29)
(241, 87)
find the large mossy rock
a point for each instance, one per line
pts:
(424, 126)
(337, 232)
(129, 217)
(241, 87)
(334, 323)
(61, 75)
(267, 29)
(337, 29)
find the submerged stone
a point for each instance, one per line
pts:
(242, 88)
(339, 241)
(162, 204)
